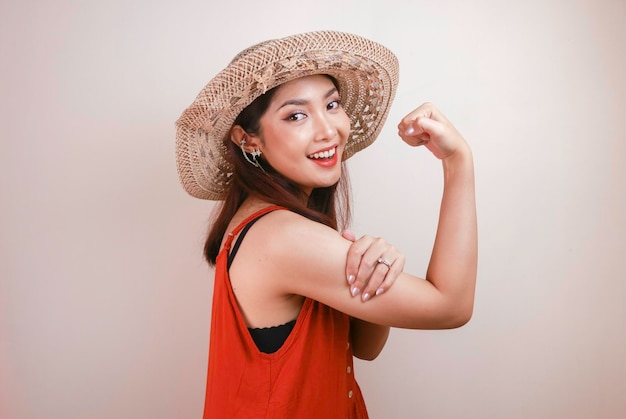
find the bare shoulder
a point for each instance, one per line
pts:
(292, 239)
(289, 228)
(289, 250)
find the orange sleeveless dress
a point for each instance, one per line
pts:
(310, 376)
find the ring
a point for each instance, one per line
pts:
(384, 262)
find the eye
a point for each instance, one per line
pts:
(296, 116)
(335, 104)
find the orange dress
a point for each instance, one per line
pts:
(310, 376)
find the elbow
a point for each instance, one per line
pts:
(368, 357)
(452, 315)
(443, 321)
(460, 317)
(461, 321)
(460, 311)
(367, 354)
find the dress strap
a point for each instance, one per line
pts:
(242, 234)
(250, 219)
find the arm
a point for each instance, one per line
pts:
(368, 339)
(456, 238)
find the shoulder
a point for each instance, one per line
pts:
(295, 255)
(287, 244)
(292, 255)
(287, 231)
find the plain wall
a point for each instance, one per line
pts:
(105, 298)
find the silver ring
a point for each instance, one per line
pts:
(384, 262)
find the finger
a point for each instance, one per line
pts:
(412, 132)
(426, 110)
(348, 235)
(414, 140)
(367, 266)
(423, 111)
(388, 267)
(355, 254)
(431, 127)
(410, 128)
(376, 281)
(417, 124)
(396, 268)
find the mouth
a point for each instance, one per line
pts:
(324, 155)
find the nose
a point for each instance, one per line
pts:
(324, 126)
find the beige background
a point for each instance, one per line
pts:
(104, 296)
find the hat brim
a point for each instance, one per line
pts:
(366, 73)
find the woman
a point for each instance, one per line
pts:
(294, 300)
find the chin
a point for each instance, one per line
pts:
(323, 185)
(322, 182)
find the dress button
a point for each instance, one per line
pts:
(349, 369)
(348, 346)
(350, 394)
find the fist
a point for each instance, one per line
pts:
(427, 126)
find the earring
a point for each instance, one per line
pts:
(255, 154)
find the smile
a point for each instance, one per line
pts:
(324, 154)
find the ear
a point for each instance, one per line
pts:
(238, 134)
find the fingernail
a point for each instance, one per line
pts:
(355, 291)
(350, 279)
(366, 296)
(409, 131)
(380, 291)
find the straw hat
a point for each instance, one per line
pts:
(367, 74)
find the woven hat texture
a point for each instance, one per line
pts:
(366, 72)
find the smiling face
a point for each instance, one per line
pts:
(304, 131)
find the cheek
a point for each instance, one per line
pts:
(345, 127)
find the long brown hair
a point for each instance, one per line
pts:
(329, 206)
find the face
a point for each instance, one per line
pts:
(304, 132)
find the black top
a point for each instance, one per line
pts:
(267, 339)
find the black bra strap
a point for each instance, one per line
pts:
(242, 234)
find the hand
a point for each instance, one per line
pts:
(365, 274)
(427, 126)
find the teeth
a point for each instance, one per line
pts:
(324, 154)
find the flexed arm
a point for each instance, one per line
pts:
(453, 264)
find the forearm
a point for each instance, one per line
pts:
(453, 264)
(368, 339)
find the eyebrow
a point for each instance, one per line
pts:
(301, 102)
